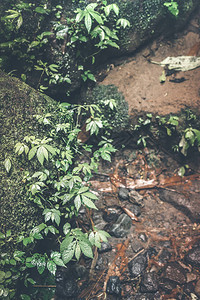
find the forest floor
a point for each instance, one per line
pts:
(154, 249)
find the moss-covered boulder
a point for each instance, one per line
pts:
(117, 116)
(150, 18)
(18, 105)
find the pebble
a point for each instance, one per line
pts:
(149, 283)
(197, 288)
(111, 214)
(142, 236)
(123, 193)
(138, 264)
(136, 246)
(175, 272)
(113, 286)
(105, 247)
(122, 226)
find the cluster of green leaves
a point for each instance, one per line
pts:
(58, 187)
(88, 26)
(172, 7)
(181, 132)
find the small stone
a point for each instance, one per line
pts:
(136, 210)
(175, 272)
(191, 277)
(136, 246)
(114, 286)
(121, 227)
(138, 264)
(101, 263)
(164, 256)
(167, 285)
(149, 283)
(111, 214)
(142, 236)
(105, 247)
(193, 256)
(123, 194)
(136, 198)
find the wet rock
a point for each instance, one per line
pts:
(101, 263)
(142, 236)
(175, 272)
(105, 247)
(138, 264)
(193, 256)
(66, 288)
(121, 227)
(111, 214)
(123, 194)
(114, 286)
(136, 246)
(149, 283)
(188, 205)
(136, 198)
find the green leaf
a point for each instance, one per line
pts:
(7, 164)
(68, 254)
(77, 252)
(41, 10)
(32, 152)
(66, 242)
(25, 297)
(59, 262)
(77, 202)
(88, 22)
(66, 228)
(41, 264)
(105, 156)
(86, 249)
(40, 154)
(91, 195)
(96, 16)
(51, 266)
(88, 202)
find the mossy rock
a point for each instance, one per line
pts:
(18, 104)
(117, 118)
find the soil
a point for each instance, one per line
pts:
(138, 79)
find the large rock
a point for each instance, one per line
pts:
(148, 18)
(18, 104)
(188, 205)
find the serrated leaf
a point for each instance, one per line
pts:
(86, 249)
(7, 164)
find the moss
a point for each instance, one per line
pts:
(117, 118)
(18, 104)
